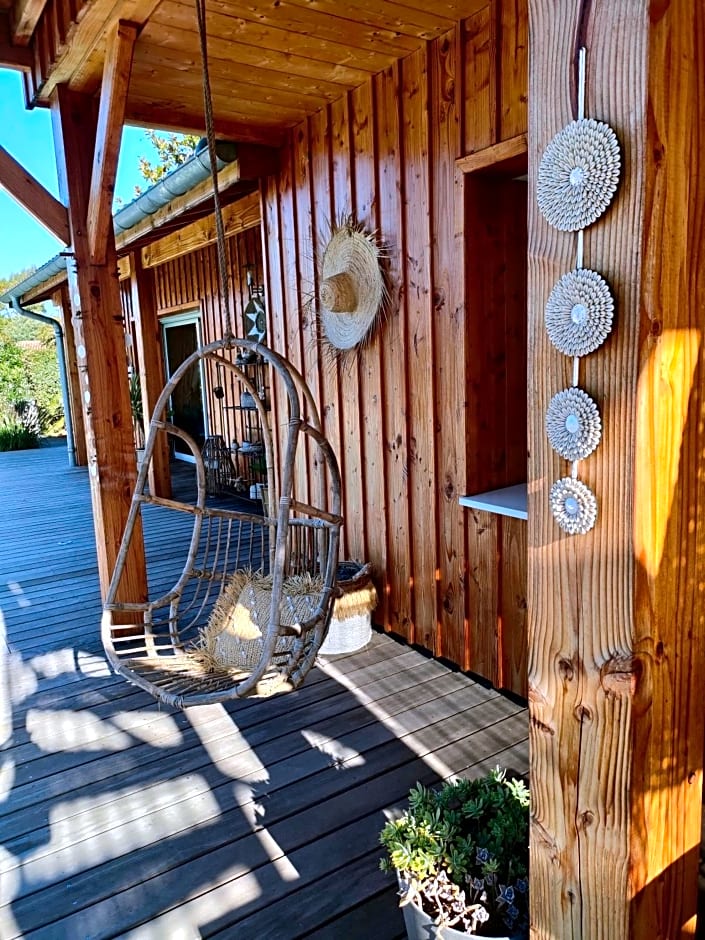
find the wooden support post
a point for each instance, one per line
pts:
(102, 364)
(151, 366)
(616, 617)
(60, 300)
(111, 116)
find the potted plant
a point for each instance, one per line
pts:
(461, 855)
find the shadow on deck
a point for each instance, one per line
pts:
(121, 818)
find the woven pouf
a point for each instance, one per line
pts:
(351, 624)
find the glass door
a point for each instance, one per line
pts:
(182, 336)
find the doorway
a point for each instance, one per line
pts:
(181, 335)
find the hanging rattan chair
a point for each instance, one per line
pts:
(164, 644)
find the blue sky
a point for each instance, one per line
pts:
(27, 135)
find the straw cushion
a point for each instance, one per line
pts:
(578, 174)
(234, 634)
(352, 290)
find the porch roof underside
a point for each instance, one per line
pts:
(271, 64)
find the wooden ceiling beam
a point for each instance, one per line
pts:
(11, 56)
(173, 116)
(241, 215)
(111, 116)
(25, 16)
(37, 200)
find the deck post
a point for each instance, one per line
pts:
(616, 617)
(60, 299)
(100, 345)
(151, 365)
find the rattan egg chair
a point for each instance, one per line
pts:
(162, 643)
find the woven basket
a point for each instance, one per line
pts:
(351, 624)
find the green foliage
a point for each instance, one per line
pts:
(45, 390)
(13, 378)
(28, 373)
(17, 429)
(463, 852)
(136, 399)
(172, 151)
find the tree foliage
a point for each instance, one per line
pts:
(28, 372)
(172, 151)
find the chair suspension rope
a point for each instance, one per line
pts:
(210, 137)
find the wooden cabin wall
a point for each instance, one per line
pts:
(400, 414)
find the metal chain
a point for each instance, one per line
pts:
(210, 136)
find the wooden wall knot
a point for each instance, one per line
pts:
(439, 299)
(583, 713)
(449, 489)
(541, 834)
(622, 675)
(585, 819)
(541, 725)
(449, 599)
(566, 670)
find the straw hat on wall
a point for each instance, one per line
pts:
(352, 291)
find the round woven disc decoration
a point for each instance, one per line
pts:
(352, 289)
(578, 174)
(579, 313)
(573, 424)
(573, 505)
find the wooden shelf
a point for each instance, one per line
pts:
(508, 501)
(508, 157)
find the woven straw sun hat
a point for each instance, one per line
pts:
(352, 289)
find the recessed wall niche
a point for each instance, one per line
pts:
(496, 199)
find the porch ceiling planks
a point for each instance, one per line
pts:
(271, 64)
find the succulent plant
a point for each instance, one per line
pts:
(462, 853)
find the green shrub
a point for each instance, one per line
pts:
(15, 436)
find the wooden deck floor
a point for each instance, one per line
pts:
(120, 818)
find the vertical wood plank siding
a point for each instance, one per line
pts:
(411, 415)
(397, 413)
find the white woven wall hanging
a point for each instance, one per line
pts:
(573, 505)
(573, 424)
(577, 179)
(578, 174)
(579, 313)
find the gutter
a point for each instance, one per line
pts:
(56, 265)
(61, 358)
(177, 183)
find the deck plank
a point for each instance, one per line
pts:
(123, 818)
